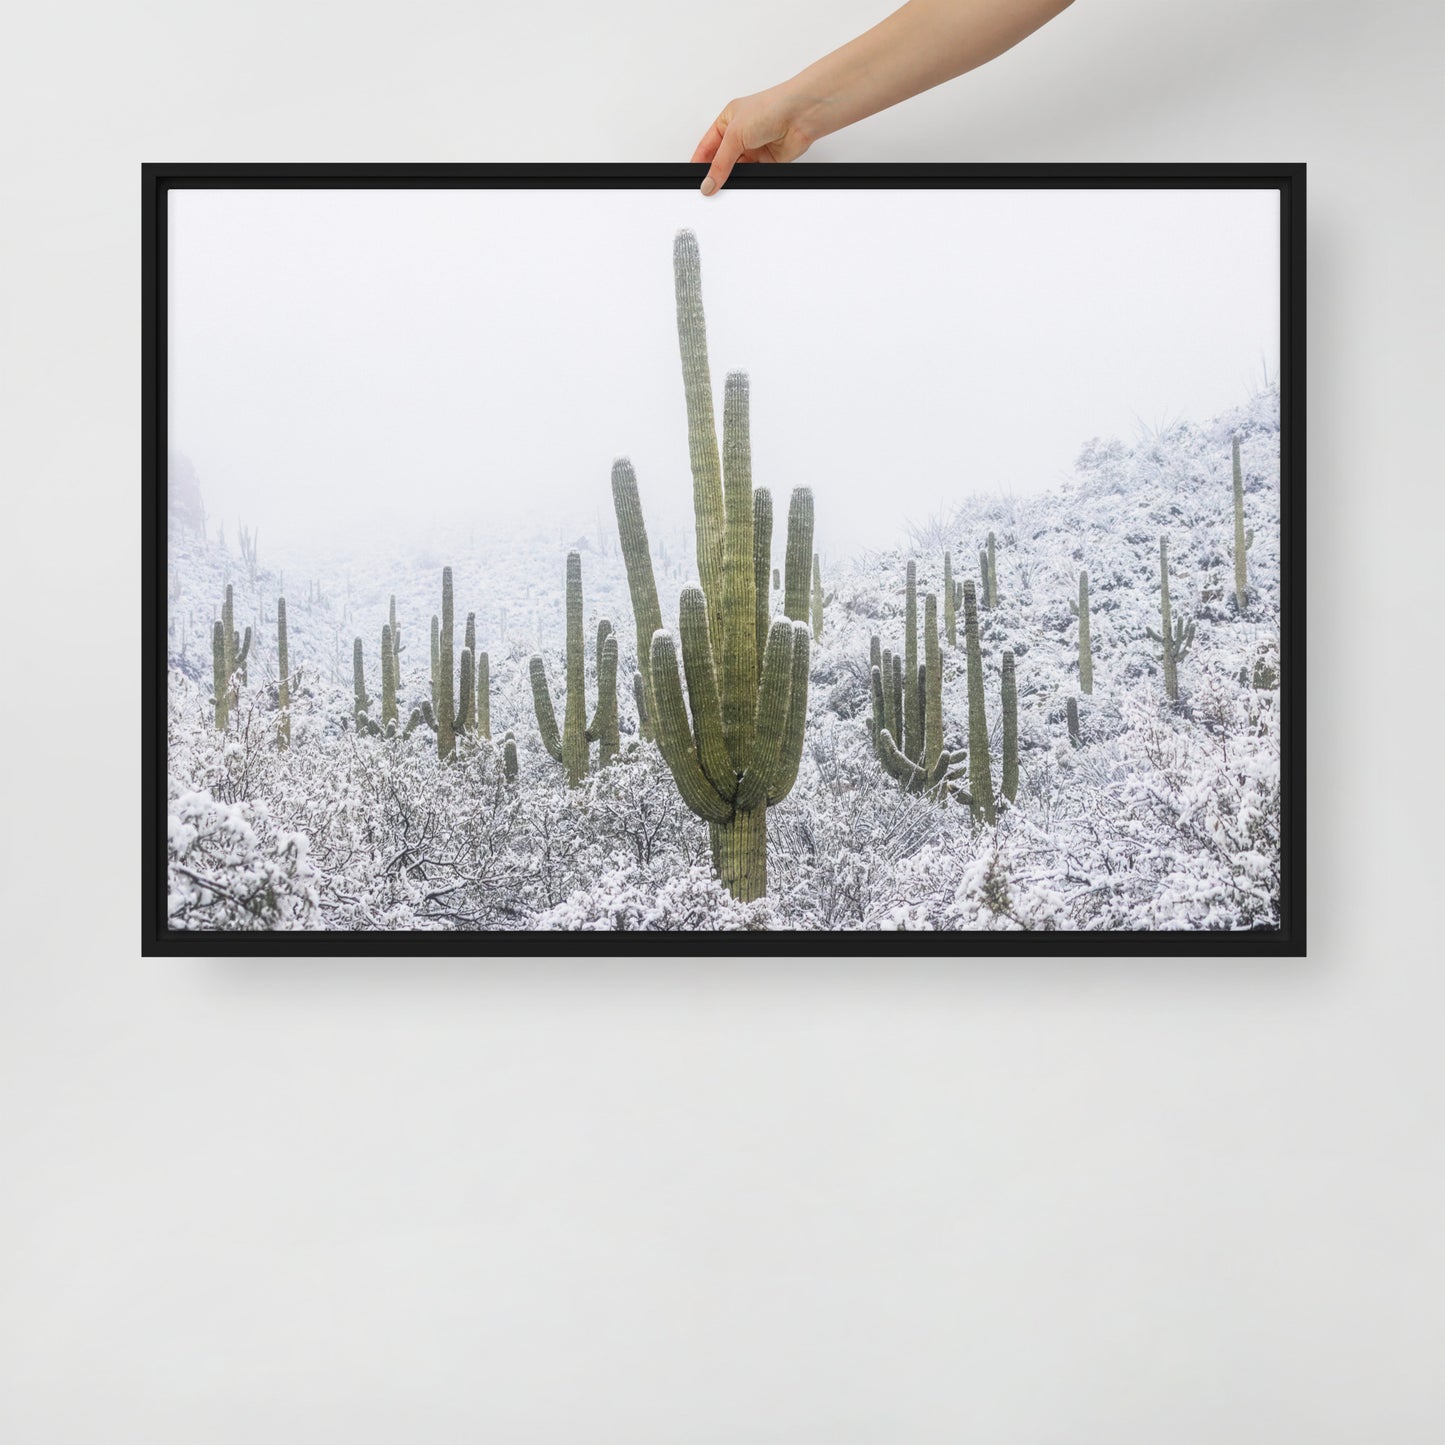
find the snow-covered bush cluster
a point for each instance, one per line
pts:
(1166, 817)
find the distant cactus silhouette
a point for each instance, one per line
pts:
(283, 676)
(1009, 695)
(951, 599)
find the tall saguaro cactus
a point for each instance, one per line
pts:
(361, 709)
(739, 751)
(444, 701)
(980, 774)
(283, 674)
(1009, 693)
(388, 677)
(221, 679)
(1080, 610)
(818, 599)
(570, 746)
(1173, 637)
(1243, 539)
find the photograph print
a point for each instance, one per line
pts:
(850, 555)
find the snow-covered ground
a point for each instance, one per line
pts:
(1167, 817)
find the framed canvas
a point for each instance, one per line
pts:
(869, 559)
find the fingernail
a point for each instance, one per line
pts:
(708, 186)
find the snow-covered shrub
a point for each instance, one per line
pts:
(229, 867)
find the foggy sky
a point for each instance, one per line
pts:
(370, 362)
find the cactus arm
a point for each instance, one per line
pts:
(542, 703)
(780, 782)
(707, 476)
(762, 563)
(595, 727)
(245, 649)
(770, 725)
(641, 583)
(484, 695)
(709, 729)
(737, 627)
(798, 558)
(675, 737)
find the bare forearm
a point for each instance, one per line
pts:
(921, 45)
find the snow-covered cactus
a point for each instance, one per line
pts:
(1243, 538)
(950, 602)
(1080, 609)
(1009, 693)
(510, 767)
(436, 650)
(221, 684)
(283, 676)
(980, 776)
(444, 702)
(639, 697)
(739, 751)
(361, 707)
(388, 677)
(237, 648)
(466, 686)
(466, 693)
(603, 729)
(991, 581)
(1071, 711)
(777, 580)
(1173, 637)
(248, 552)
(935, 769)
(570, 747)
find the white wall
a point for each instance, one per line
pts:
(792, 1202)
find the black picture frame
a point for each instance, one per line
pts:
(158, 180)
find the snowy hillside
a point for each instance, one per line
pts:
(1161, 816)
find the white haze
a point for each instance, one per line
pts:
(352, 367)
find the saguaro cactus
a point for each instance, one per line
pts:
(283, 674)
(935, 768)
(237, 647)
(1243, 539)
(1009, 692)
(950, 602)
(570, 747)
(361, 710)
(388, 678)
(741, 750)
(509, 758)
(444, 702)
(1080, 610)
(1071, 712)
(992, 578)
(818, 599)
(221, 679)
(980, 774)
(1173, 637)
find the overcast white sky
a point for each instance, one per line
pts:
(386, 359)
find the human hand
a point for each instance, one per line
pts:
(761, 127)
